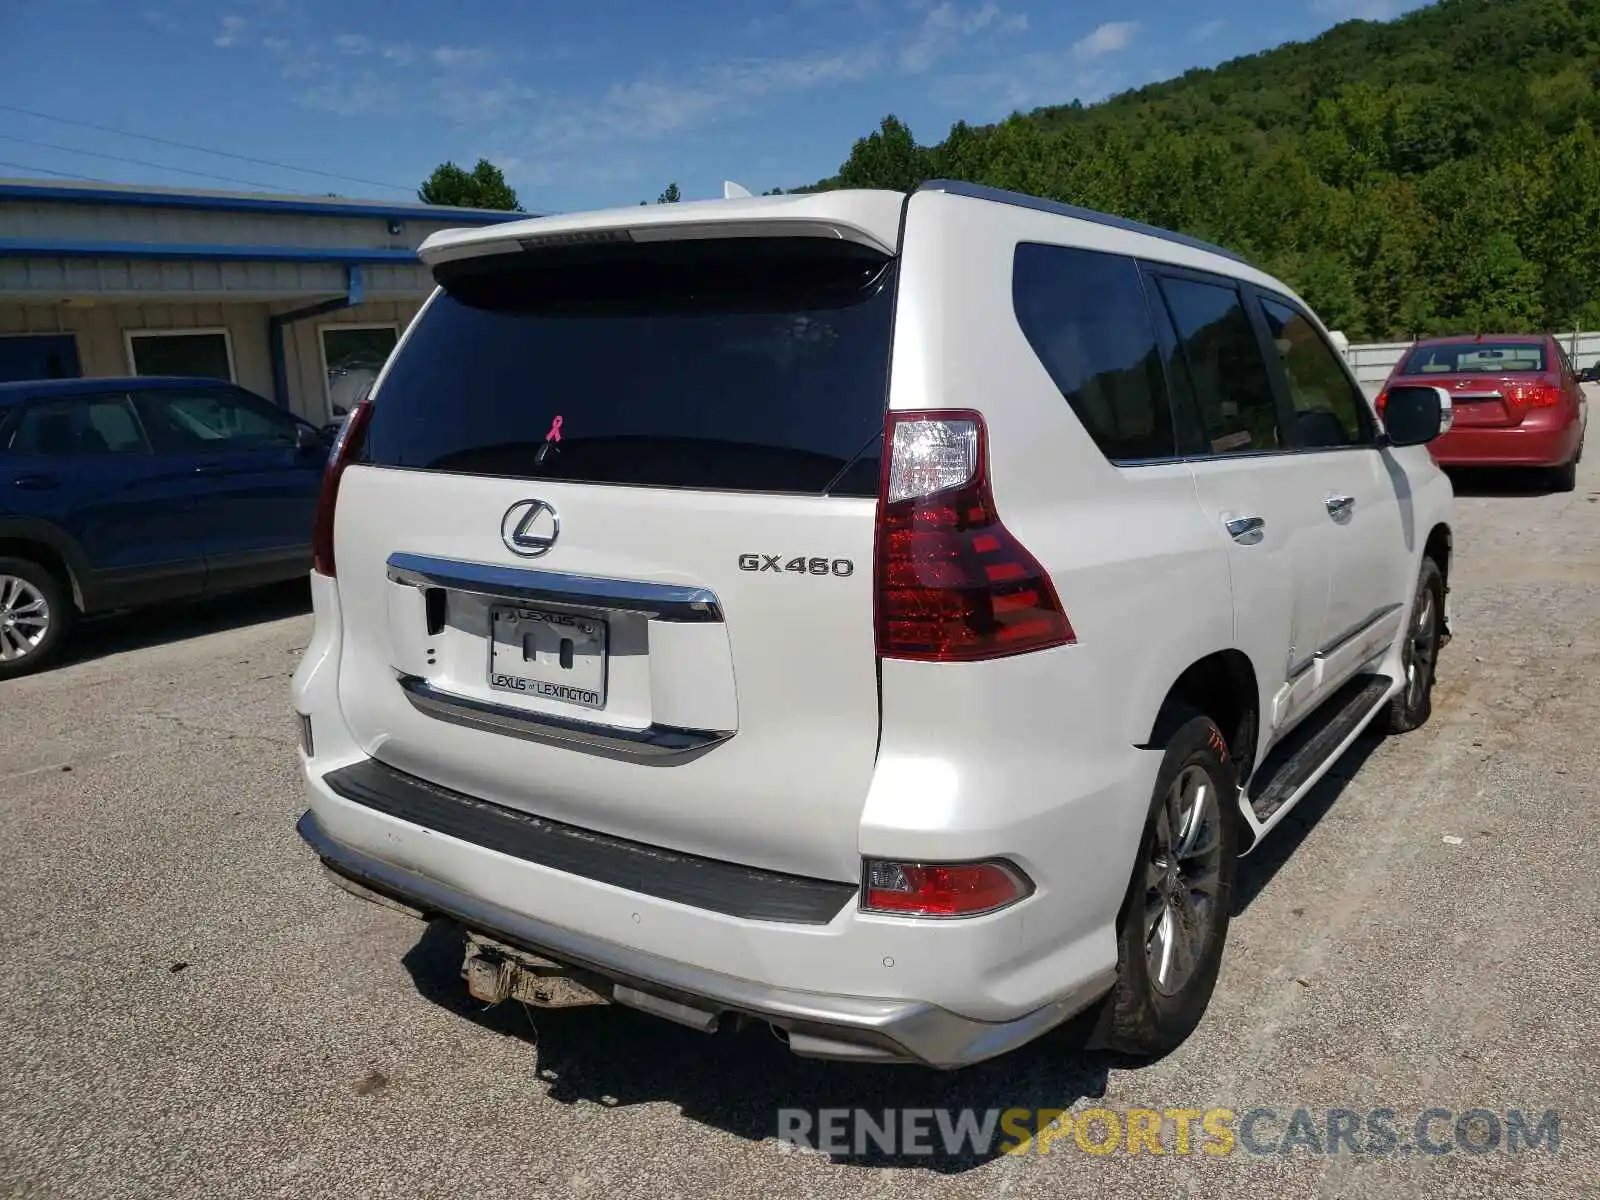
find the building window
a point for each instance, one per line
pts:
(352, 356)
(206, 353)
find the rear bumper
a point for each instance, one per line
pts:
(815, 1024)
(1534, 443)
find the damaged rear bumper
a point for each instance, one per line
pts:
(815, 1025)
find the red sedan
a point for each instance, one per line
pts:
(1517, 401)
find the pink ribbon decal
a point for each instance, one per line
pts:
(555, 431)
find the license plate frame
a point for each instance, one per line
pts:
(527, 656)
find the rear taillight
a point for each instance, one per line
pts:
(952, 584)
(1383, 398)
(345, 446)
(1534, 395)
(941, 889)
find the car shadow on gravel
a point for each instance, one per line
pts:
(1509, 482)
(738, 1082)
(1256, 870)
(115, 633)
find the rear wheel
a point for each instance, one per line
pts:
(1564, 479)
(1420, 654)
(34, 613)
(1175, 918)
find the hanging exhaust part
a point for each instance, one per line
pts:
(496, 972)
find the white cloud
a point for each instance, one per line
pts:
(462, 57)
(1209, 30)
(945, 26)
(400, 56)
(352, 43)
(1106, 39)
(352, 96)
(232, 28)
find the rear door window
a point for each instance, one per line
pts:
(1085, 316)
(750, 364)
(1225, 373)
(1329, 411)
(79, 426)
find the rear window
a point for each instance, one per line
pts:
(750, 364)
(1454, 358)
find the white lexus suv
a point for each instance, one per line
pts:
(885, 618)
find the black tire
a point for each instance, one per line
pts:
(58, 613)
(1414, 705)
(1565, 479)
(1141, 1017)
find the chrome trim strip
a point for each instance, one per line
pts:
(653, 743)
(1354, 632)
(1477, 395)
(823, 1026)
(658, 601)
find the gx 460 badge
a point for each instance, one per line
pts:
(799, 565)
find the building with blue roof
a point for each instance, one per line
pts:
(298, 298)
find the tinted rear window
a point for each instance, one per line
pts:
(744, 364)
(1453, 358)
(1085, 316)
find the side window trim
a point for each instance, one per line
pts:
(1280, 380)
(1155, 271)
(1288, 425)
(1187, 433)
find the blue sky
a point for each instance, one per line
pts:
(584, 103)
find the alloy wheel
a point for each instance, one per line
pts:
(1424, 644)
(1181, 880)
(24, 618)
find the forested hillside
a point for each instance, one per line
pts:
(1437, 173)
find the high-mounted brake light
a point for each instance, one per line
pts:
(345, 447)
(953, 585)
(941, 889)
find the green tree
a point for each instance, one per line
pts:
(670, 196)
(483, 187)
(1435, 173)
(889, 158)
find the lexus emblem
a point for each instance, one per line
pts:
(530, 528)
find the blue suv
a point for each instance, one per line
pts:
(121, 493)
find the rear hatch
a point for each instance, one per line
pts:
(605, 553)
(1491, 384)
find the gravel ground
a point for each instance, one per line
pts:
(189, 1007)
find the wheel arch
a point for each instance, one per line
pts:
(42, 543)
(1223, 686)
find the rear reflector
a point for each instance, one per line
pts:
(953, 585)
(345, 447)
(941, 889)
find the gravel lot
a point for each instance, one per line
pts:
(188, 1007)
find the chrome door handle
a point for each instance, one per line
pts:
(1246, 529)
(1339, 506)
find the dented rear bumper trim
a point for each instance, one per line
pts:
(817, 1025)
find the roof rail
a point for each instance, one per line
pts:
(977, 191)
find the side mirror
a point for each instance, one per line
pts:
(308, 437)
(1413, 416)
(1589, 375)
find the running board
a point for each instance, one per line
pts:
(1314, 743)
